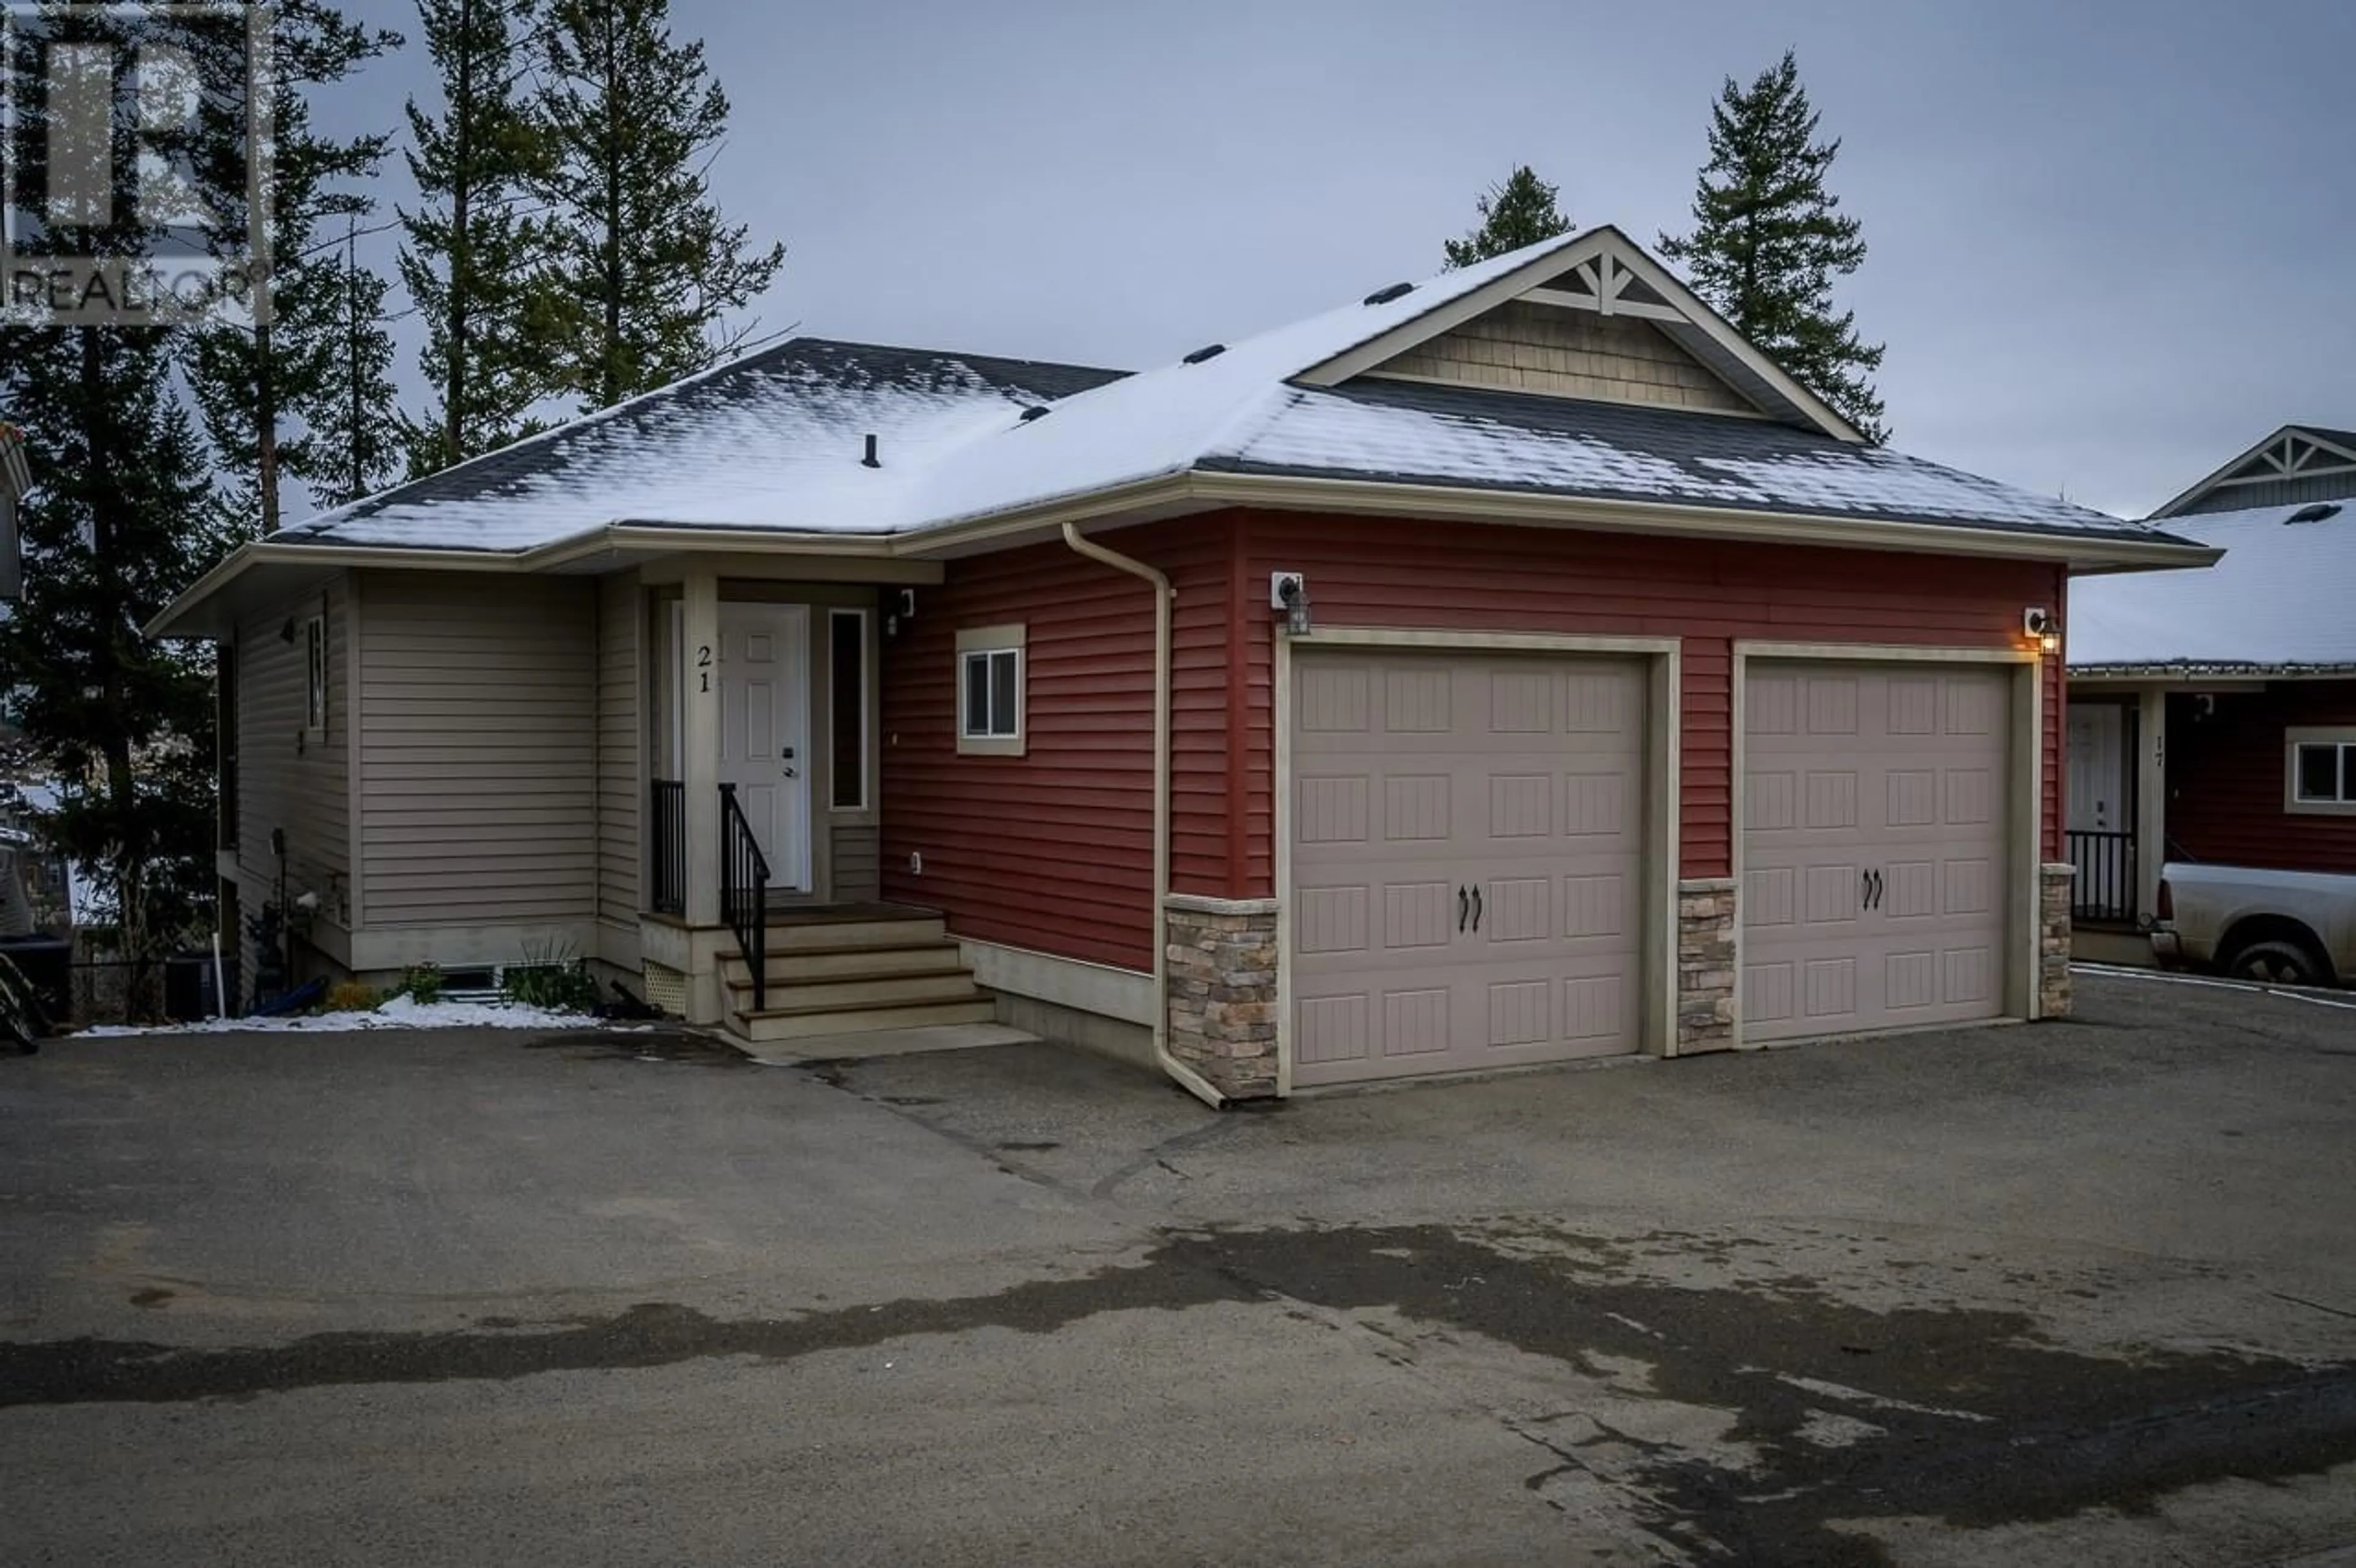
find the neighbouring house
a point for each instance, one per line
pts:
(2212, 714)
(1504, 668)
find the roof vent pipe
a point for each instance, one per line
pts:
(871, 460)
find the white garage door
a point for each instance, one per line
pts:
(1874, 882)
(1467, 862)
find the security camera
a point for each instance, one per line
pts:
(1285, 588)
(2036, 623)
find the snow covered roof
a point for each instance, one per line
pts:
(776, 439)
(2280, 601)
(1418, 434)
(972, 446)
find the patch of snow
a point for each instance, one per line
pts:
(401, 1012)
(2280, 597)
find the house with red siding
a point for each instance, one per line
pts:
(1510, 667)
(2212, 714)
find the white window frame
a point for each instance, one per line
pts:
(993, 643)
(315, 676)
(2342, 737)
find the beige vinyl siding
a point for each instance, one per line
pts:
(478, 745)
(858, 864)
(620, 790)
(1570, 354)
(288, 778)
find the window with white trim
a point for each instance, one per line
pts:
(2321, 764)
(314, 687)
(989, 670)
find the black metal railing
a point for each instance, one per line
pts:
(667, 832)
(745, 892)
(2105, 886)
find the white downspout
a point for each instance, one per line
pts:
(1187, 1078)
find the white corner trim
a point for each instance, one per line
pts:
(1124, 994)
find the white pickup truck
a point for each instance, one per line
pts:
(2290, 928)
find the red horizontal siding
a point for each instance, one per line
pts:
(1054, 850)
(1403, 574)
(2226, 776)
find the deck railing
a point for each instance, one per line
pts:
(2106, 885)
(667, 826)
(745, 892)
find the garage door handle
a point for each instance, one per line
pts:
(1464, 908)
(1476, 909)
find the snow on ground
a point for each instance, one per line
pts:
(402, 1012)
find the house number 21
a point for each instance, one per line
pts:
(703, 663)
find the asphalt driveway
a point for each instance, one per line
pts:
(2081, 1293)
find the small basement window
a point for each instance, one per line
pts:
(2322, 769)
(990, 691)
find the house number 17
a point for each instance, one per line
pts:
(703, 663)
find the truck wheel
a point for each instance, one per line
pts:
(2276, 961)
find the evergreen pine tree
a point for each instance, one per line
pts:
(1769, 240)
(351, 446)
(264, 389)
(643, 270)
(118, 521)
(1519, 211)
(470, 246)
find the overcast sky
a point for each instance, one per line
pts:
(2112, 242)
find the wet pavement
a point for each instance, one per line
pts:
(2081, 1293)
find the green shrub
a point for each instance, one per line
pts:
(421, 983)
(554, 978)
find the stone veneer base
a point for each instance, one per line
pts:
(1706, 968)
(2053, 998)
(1221, 958)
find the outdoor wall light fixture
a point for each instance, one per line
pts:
(1289, 591)
(2043, 628)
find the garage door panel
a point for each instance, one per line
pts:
(1892, 912)
(1531, 796)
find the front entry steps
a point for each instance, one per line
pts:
(854, 970)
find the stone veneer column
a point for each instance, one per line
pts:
(2060, 882)
(1706, 971)
(1221, 963)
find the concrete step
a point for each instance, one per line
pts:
(883, 990)
(896, 930)
(809, 1023)
(922, 1042)
(830, 963)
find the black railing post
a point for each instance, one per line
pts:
(745, 892)
(2105, 886)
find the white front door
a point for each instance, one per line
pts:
(764, 730)
(2098, 769)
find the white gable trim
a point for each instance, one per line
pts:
(1609, 259)
(2225, 473)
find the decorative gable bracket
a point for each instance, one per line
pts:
(1606, 285)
